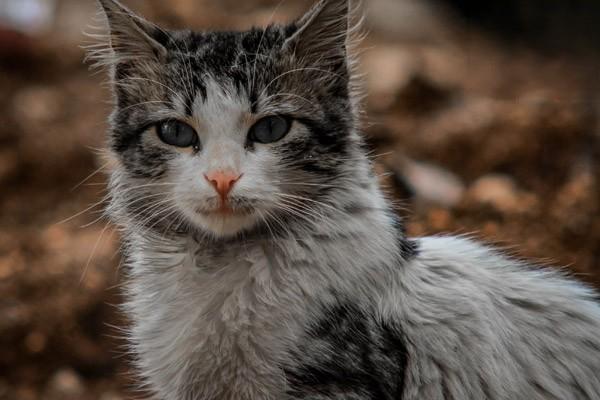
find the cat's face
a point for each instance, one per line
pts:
(226, 131)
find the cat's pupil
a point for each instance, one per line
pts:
(270, 129)
(177, 133)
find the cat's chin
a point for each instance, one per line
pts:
(225, 224)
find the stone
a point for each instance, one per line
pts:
(501, 192)
(430, 183)
(65, 384)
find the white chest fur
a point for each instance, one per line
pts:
(210, 325)
(218, 323)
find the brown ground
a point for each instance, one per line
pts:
(489, 140)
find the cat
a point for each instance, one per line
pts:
(263, 260)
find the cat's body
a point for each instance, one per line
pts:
(263, 260)
(454, 320)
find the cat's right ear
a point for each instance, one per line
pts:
(130, 37)
(322, 34)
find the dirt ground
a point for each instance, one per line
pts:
(471, 135)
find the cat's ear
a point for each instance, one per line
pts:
(130, 37)
(322, 34)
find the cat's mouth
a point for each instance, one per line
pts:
(229, 217)
(226, 210)
(225, 220)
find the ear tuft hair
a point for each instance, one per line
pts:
(327, 38)
(129, 37)
(322, 33)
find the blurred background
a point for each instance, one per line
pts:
(483, 116)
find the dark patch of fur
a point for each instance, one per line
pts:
(363, 358)
(409, 248)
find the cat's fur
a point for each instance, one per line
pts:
(318, 294)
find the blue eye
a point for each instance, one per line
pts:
(177, 133)
(270, 129)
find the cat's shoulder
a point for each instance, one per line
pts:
(463, 274)
(464, 260)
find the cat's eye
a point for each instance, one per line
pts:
(270, 129)
(177, 133)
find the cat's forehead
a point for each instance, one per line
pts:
(240, 62)
(218, 50)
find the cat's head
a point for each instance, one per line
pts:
(228, 131)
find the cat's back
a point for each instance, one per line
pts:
(482, 325)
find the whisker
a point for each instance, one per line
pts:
(93, 252)
(89, 176)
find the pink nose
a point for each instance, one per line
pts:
(222, 181)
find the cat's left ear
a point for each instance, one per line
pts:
(322, 34)
(130, 38)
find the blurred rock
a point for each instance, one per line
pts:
(576, 200)
(65, 385)
(37, 105)
(4, 389)
(428, 183)
(388, 69)
(420, 95)
(464, 121)
(405, 19)
(13, 45)
(31, 16)
(500, 192)
(395, 78)
(11, 264)
(25, 393)
(110, 396)
(35, 342)
(439, 219)
(14, 314)
(8, 164)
